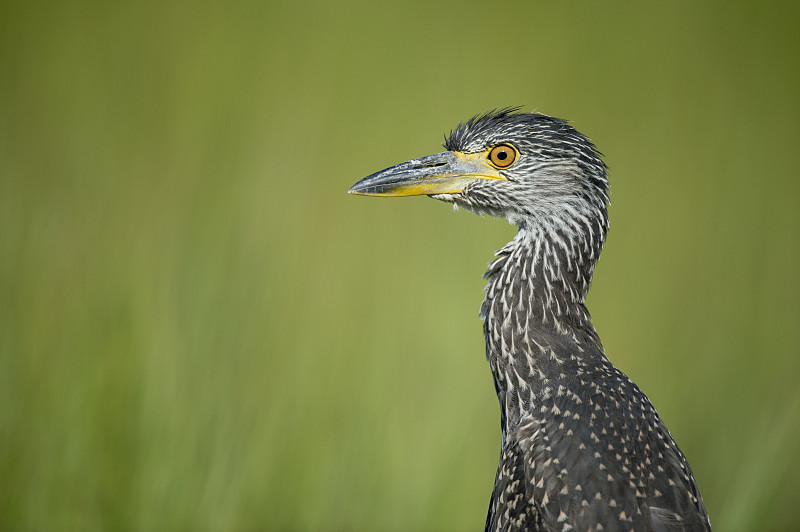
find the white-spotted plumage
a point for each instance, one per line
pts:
(582, 412)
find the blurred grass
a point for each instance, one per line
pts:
(200, 330)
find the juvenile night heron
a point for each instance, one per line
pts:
(583, 448)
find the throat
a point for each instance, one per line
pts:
(538, 332)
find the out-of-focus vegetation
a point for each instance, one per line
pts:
(200, 330)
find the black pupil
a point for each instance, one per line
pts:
(502, 155)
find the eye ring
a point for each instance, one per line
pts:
(502, 156)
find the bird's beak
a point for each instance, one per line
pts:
(442, 173)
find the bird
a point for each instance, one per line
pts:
(582, 447)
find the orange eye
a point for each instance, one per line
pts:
(502, 156)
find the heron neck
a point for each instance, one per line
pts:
(538, 331)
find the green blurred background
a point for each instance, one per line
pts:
(200, 329)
